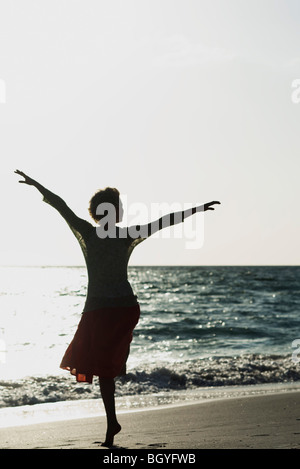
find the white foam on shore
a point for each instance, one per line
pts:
(87, 408)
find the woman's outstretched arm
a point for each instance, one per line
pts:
(77, 225)
(144, 231)
(29, 181)
(49, 197)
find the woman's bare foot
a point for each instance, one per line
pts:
(111, 432)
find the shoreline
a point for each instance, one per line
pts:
(270, 420)
(89, 408)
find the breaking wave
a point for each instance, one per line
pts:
(181, 376)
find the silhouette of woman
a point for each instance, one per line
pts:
(100, 346)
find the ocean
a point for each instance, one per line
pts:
(202, 330)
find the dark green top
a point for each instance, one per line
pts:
(106, 259)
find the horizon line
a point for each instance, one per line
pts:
(151, 265)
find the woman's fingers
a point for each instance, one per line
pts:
(20, 173)
(213, 203)
(27, 179)
(208, 205)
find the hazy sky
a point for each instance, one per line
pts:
(171, 101)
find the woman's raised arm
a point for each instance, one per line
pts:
(77, 225)
(144, 231)
(28, 180)
(53, 199)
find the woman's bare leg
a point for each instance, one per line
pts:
(107, 388)
(123, 370)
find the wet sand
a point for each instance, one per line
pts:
(264, 421)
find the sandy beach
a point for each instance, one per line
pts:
(269, 421)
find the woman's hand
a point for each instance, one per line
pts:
(208, 206)
(27, 179)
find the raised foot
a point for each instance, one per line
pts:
(111, 432)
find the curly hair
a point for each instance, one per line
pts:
(108, 195)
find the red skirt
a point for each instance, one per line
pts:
(100, 345)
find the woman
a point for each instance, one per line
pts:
(100, 346)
